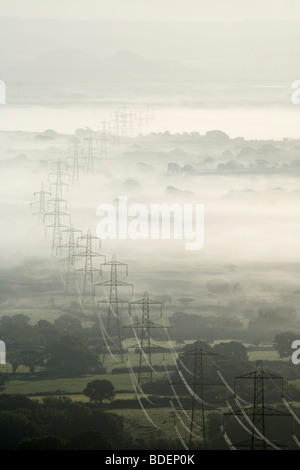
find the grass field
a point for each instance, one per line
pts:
(265, 356)
(139, 426)
(34, 385)
(30, 385)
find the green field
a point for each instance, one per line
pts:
(265, 356)
(61, 386)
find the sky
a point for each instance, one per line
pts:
(154, 10)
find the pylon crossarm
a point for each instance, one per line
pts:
(114, 263)
(69, 245)
(114, 283)
(53, 226)
(149, 301)
(88, 237)
(83, 253)
(90, 269)
(146, 326)
(107, 301)
(58, 213)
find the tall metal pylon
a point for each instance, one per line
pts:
(71, 246)
(257, 413)
(89, 271)
(114, 321)
(90, 157)
(104, 133)
(116, 127)
(42, 202)
(74, 157)
(146, 325)
(196, 386)
(57, 224)
(59, 174)
(126, 121)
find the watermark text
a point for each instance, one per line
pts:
(156, 222)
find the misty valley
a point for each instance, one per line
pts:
(137, 342)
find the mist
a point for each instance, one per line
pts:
(180, 106)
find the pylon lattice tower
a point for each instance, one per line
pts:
(71, 246)
(89, 270)
(116, 127)
(145, 346)
(258, 411)
(113, 326)
(197, 384)
(59, 174)
(104, 135)
(91, 150)
(126, 121)
(75, 153)
(57, 224)
(42, 201)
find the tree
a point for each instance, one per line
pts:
(17, 329)
(99, 390)
(12, 402)
(51, 442)
(179, 341)
(68, 324)
(47, 332)
(14, 360)
(185, 300)
(90, 440)
(283, 343)
(70, 355)
(232, 348)
(30, 358)
(3, 380)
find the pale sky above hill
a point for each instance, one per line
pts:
(154, 10)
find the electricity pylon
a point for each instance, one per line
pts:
(146, 325)
(104, 133)
(59, 174)
(71, 246)
(113, 326)
(257, 413)
(90, 157)
(42, 202)
(89, 270)
(196, 387)
(57, 224)
(74, 156)
(116, 128)
(126, 121)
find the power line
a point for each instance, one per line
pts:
(57, 225)
(114, 327)
(42, 201)
(146, 325)
(89, 270)
(256, 414)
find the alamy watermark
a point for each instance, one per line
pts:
(2, 92)
(2, 353)
(156, 222)
(295, 358)
(296, 93)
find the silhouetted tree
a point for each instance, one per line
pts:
(31, 359)
(99, 390)
(70, 355)
(90, 440)
(283, 343)
(232, 348)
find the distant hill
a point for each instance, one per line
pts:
(76, 65)
(256, 51)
